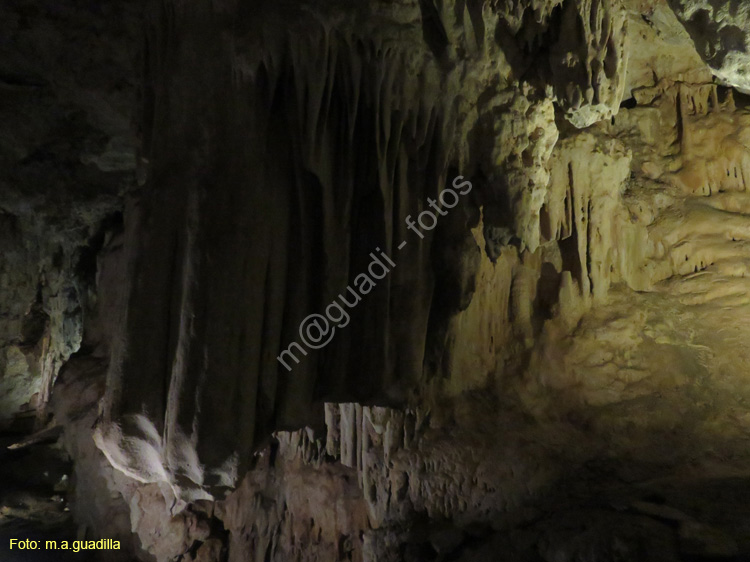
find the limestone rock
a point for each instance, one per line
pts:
(720, 33)
(552, 369)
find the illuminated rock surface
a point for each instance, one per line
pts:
(557, 372)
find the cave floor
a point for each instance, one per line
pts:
(34, 485)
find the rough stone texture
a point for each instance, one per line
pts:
(659, 47)
(721, 32)
(555, 373)
(67, 149)
(317, 215)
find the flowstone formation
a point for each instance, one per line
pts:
(365, 149)
(554, 373)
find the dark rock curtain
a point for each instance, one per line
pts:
(270, 183)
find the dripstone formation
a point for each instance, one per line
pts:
(555, 372)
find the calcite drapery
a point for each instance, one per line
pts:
(277, 164)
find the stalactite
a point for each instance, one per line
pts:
(585, 198)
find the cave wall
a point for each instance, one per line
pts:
(67, 151)
(304, 177)
(574, 323)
